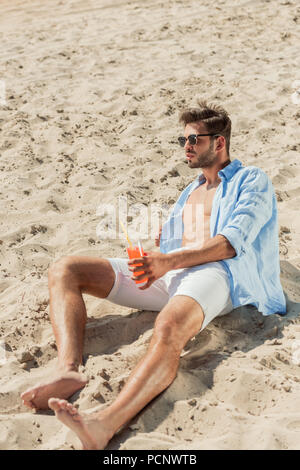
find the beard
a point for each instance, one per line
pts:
(205, 160)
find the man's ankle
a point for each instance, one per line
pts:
(69, 366)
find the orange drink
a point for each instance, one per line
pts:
(136, 252)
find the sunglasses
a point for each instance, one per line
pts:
(192, 138)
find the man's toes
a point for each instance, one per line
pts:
(59, 406)
(30, 394)
(72, 410)
(29, 404)
(63, 404)
(53, 403)
(26, 395)
(28, 399)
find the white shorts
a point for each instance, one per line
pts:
(208, 284)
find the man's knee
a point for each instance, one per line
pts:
(167, 332)
(179, 321)
(60, 269)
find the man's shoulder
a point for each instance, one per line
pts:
(252, 179)
(250, 173)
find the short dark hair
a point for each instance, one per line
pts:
(214, 117)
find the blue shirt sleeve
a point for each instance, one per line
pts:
(252, 211)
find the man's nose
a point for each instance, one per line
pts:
(187, 145)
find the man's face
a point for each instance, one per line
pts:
(202, 154)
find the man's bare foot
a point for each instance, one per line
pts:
(61, 386)
(91, 431)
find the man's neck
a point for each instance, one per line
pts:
(211, 174)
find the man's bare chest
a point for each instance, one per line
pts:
(201, 199)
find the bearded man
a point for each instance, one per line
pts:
(218, 250)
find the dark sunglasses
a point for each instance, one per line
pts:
(192, 138)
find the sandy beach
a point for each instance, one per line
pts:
(90, 95)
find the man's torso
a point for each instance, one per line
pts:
(196, 215)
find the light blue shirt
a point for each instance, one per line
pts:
(244, 210)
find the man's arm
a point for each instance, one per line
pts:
(154, 265)
(251, 213)
(214, 249)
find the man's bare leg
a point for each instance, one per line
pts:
(69, 278)
(178, 321)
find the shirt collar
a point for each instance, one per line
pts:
(229, 170)
(226, 173)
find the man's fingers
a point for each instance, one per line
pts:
(139, 273)
(145, 286)
(148, 284)
(140, 277)
(132, 261)
(136, 269)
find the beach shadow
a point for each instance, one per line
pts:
(106, 335)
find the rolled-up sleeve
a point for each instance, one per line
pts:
(252, 211)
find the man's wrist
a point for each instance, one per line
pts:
(184, 259)
(174, 260)
(170, 261)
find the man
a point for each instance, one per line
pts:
(218, 250)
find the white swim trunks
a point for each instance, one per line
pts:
(208, 284)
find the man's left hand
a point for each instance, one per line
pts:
(153, 266)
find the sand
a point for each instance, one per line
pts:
(90, 97)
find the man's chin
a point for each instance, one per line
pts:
(193, 164)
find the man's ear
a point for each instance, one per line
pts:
(221, 142)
